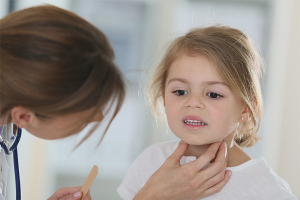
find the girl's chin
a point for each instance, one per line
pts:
(199, 143)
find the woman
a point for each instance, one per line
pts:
(57, 75)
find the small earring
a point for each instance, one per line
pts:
(242, 118)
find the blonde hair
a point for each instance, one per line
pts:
(235, 59)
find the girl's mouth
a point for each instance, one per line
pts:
(194, 122)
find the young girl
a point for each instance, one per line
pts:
(208, 83)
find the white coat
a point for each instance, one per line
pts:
(3, 174)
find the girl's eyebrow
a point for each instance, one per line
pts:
(215, 82)
(178, 79)
(204, 83)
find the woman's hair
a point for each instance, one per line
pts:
(236, 61)
(53, 63)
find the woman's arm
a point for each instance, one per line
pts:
(188, 181)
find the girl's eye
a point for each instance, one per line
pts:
(180, 92)
(214, 95)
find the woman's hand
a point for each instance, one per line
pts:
(70, 193)
(188, 181)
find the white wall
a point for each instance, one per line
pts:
(3, 8)
(290, 131)
(282, 119)
(20, 4)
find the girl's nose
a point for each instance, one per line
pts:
(195, 101)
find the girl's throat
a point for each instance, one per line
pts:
(196, 150)
(235, 154)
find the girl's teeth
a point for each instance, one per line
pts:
(194, 122)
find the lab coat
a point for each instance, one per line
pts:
(3, 174)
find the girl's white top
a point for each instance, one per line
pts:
(251, 180)
(3, 174)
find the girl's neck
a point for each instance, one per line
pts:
(235, 154)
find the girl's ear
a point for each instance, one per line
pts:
(245, 114)
(21, 116)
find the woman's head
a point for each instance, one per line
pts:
(54, 63)
(233, 57)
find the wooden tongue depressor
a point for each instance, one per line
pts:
(89, 181)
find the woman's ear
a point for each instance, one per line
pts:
(98, 117)
(21, 116)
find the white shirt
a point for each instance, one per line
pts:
(3, 174)
(251, 180)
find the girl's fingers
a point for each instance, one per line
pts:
(217, 187)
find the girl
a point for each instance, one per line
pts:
(208, 83)
(57, 74)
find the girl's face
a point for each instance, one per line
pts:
(200, 107)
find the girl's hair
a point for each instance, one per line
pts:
(53, 63)
(236, 61)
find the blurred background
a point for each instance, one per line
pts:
(138, 31)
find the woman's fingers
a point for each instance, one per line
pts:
(222, 154)
(218, 177)
(62, 192)
(69, 193)
(76, 196)
(209, 154)
(88, 196)
(217, 187)
(172, 181)
(178, 153)
(217, 166)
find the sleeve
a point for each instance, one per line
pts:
(132, 182)
(140, 171)
(2, 197)
(143, 167)
(3, 174)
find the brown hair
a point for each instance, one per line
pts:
(53, 62)
(236, 61)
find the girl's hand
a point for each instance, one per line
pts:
(70, 193)
(188, 181)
